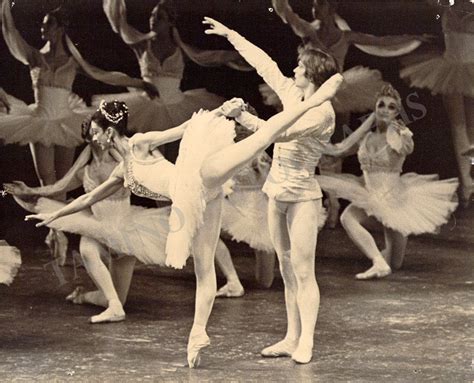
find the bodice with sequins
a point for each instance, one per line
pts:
(383, 160)
(149, 178)
(60, 77)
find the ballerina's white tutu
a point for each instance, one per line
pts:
(358, 91)
(205, 134)
(451, 71)
(55, 119)
(172, 107)
(10, 262)
(125, 229)
(408, 203)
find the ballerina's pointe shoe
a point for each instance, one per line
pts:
(303, 354)
(376, 271)
(230, 291)
(195, 344)
(76, 296)
(114, 313)
(282, 348)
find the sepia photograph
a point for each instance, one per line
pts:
(236, 191)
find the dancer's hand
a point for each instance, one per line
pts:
(425, 38)
(326, 91)
(18, 188)
(232, 108)
(215, 27)
(279, 5)
(45, 218)
(150, 90)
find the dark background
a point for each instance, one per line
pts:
(98, 44)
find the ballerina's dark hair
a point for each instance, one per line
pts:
(169, 8)
(110, 114)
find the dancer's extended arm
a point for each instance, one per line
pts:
(18, 47)
(345, 147)
(155, 139)
(116, 12)
(109, 187)
(72, 180)
(267, 68)
(300, 27)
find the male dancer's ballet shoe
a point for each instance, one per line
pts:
(303, 354)
(230, 291)
(376, 271)
(114, 313)
(282, 348)
(77, 296)
(195, 344)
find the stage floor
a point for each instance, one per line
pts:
(413, 326)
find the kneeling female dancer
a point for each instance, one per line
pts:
(111, 226)
(208, 158)
(404, 204)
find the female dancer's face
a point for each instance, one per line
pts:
(99, 137)
(159, 20)
(50, 29)
(386, 109)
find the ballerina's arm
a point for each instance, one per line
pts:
(106, 189)
(384, 41)
(116, 12)
(345, 147)
(301, 27)
(18, 47)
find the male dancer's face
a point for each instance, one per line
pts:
(301, 81)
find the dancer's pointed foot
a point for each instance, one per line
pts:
(231, 290)
(285, 347)
(197, 341)
(378, 270)
(114, 313)
(303, 353)
(77, 296)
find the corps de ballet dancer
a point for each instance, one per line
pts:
(52, 126)
(160, 54)
(208, 158)
(451, 74)
(113, 221)
(294, 207)
(404, 204)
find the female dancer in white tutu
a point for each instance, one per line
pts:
(114, 225)
(160, 54)
(451, 74)
(52, 125)
(403, 204)
(208, 158)
(294, 208)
